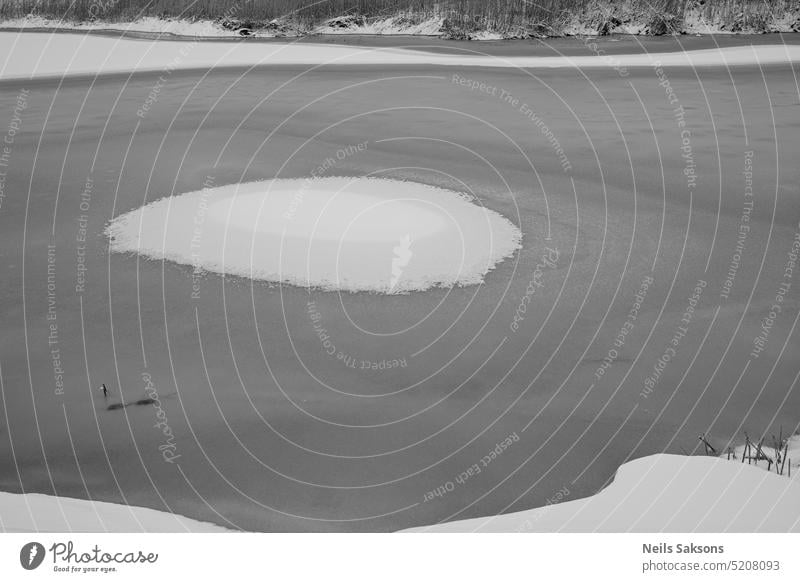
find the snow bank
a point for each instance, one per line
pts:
(619, 18)
(400, 24)
(354, 234)
(663, 493)
(147, 24)
(33, 512)
(42, 54)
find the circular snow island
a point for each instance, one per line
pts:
(349, 234)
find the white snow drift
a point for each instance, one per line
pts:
(30, 54)
(663, 493)
(355, 234)
(33, 512)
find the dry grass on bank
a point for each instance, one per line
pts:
(461, 17)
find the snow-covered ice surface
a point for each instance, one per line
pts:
(33, 512)
(352, 234)
(30, 55)
(663, 493)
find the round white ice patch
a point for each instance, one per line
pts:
(353, 234)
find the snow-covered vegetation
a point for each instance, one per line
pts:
(455, 19)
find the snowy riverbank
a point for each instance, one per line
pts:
(33, 512)
(659, 493)
(592, 20)
(663, 493)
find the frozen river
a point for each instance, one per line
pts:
(659, 210)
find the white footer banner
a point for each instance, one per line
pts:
(406, 557)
